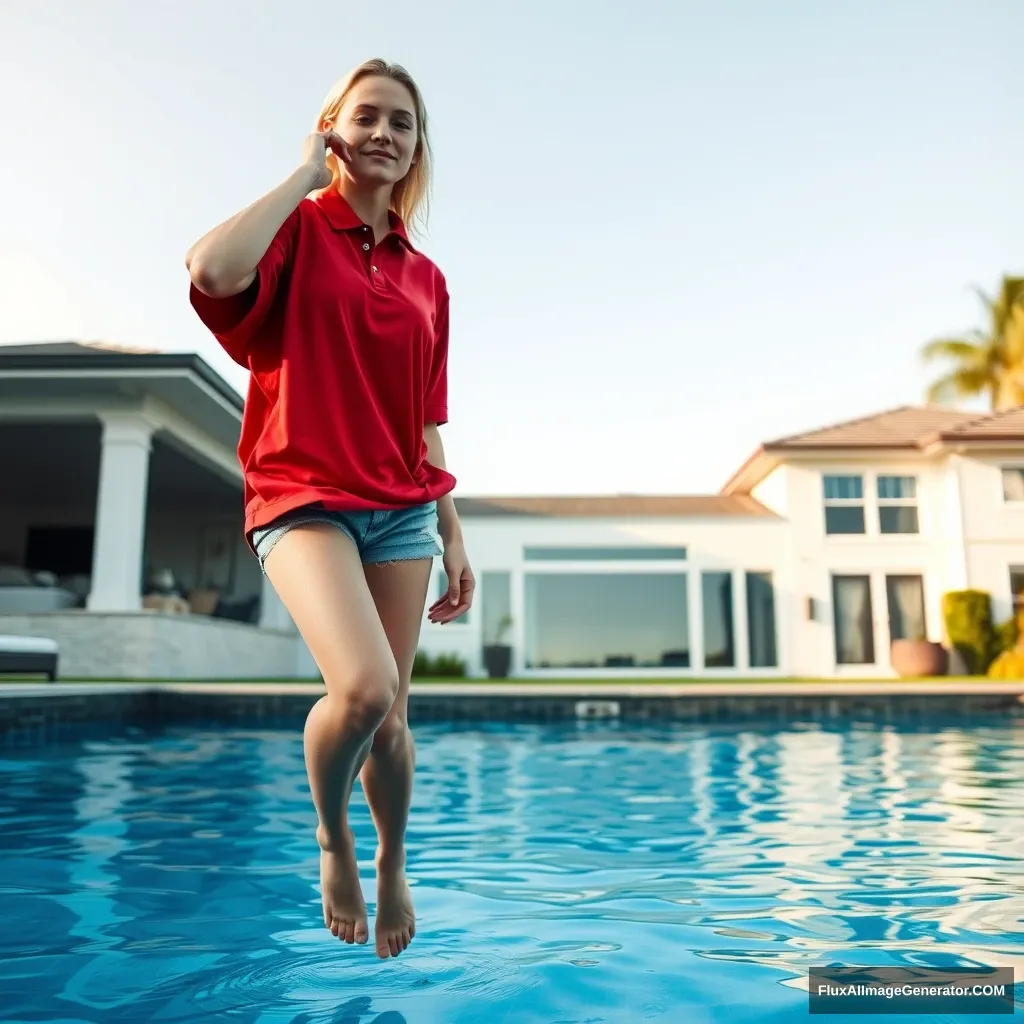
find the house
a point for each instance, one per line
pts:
(118, 467)
(120, 537)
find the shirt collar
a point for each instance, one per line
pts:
(342, 217)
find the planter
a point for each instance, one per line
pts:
(918, 658)
(497, 660)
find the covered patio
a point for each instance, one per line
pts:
(120, 518)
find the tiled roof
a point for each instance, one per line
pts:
(73, 348)
(614, 505)
(907, 427)
(1000, 426)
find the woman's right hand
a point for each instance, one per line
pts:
(314, 155)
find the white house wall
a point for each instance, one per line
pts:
(495, 544)
(773, 491)
(994, 528)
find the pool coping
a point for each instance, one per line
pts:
(577, 689)
(37, 714)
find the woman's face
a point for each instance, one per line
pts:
(378, 121)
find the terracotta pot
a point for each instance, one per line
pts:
(917, 658)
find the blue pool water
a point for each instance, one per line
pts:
(582, 874)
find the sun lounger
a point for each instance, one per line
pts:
(28, 655)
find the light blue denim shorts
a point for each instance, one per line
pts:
(380, 535)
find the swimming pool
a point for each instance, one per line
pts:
(563, 873)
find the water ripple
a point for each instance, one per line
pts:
(561, 874)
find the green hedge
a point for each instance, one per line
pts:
(445, 665)
(968, 618)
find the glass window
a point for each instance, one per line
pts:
(844, 504)
(897, 488)
(442, 588)
(1017, 585)
(905, 598)
(761, 620)
(898, 519)
(1013, 483)
(601, 554)
(495, 599)
(716, 603)
(852, 617)
(606, 620)
(897, 504)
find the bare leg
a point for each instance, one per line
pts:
(317, 573)
(399, 591)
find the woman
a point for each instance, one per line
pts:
(343, 324)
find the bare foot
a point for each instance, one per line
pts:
(344, 907)
(396, 919)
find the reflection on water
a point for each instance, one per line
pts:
(569, 873)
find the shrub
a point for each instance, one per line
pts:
(421, 664)
(1008, 634)
(449, 665)
(445, 665)
(1009, 665)
(968, 618)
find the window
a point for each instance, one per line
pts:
(897, 504)
(844, 504)
(905, 599)
(606, 620)
(716, 602)
(609, 554)
(853, 620)
(1017, 586)
(1013, 483)
(495, 600)
(761, 620)
(442, 589)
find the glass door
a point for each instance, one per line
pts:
(905, 598)
(853, 620)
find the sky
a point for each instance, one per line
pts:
(671, 231)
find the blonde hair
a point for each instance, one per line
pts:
(410, 197)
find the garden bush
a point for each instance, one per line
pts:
(444, 665)
(1008, 633)
(968, 618)
(1009, 665)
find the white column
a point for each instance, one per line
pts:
(121, 514)
(695, 616)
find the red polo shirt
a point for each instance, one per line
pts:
(346, 342)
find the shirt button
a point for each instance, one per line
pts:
(366, 246)
(375, 270)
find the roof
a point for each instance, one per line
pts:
(69, 356)
(896, 428)
(908, 428)
(616, 505)
(1007, 425)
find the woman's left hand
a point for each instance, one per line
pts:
(461, 586)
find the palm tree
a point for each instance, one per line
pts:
(987, 362)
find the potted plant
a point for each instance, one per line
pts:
(498, 655)
(919, 657)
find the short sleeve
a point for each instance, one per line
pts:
(235, 320)
(435, 406)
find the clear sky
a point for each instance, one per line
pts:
(671, 230)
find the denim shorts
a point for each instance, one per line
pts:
(380, 535)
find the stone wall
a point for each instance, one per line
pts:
(155, 645)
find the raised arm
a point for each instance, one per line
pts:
(223, 262)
